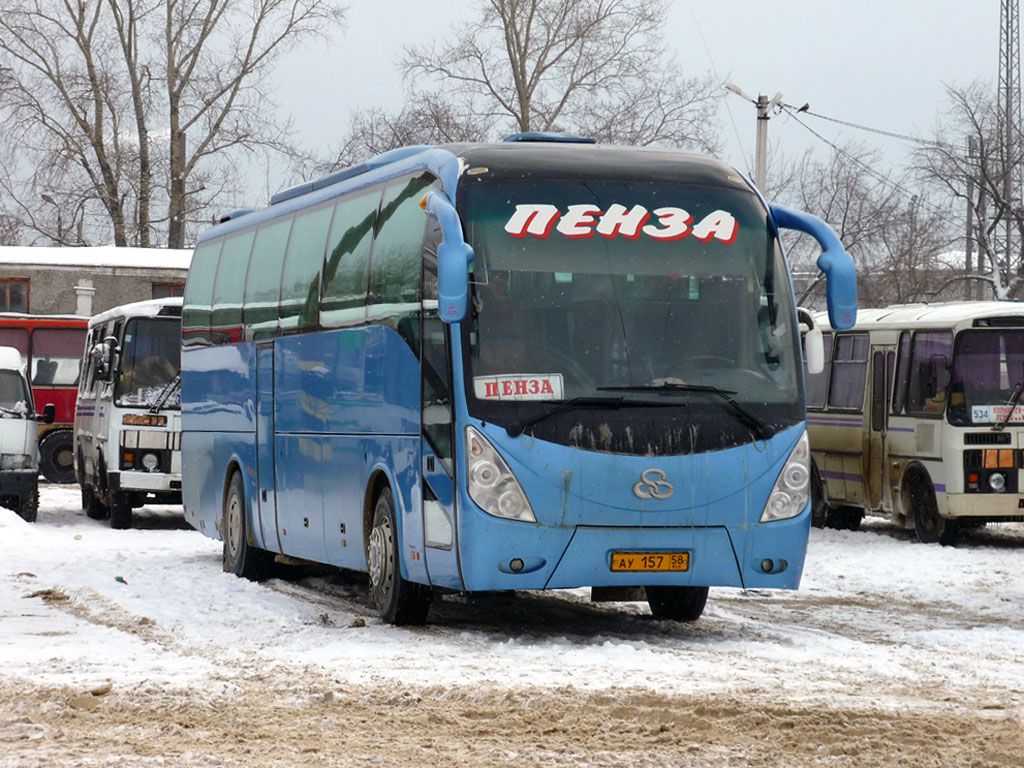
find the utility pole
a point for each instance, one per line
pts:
(764, 108)
(1009, 119)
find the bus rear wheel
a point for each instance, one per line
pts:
(929, 525)
(240, 557)
(677, 603)
(57, 456)
(397, 601)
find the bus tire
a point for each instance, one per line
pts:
(121, 512)
(94, 508)
(929, 525)
(57, 456)
(677, 603)
(28, 508)
(240, 557)
(397, 601)
(844, 518)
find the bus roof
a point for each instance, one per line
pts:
(941, 315)
(502, 160)
(147, 308)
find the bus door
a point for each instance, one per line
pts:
(266, 495)
(882, 362)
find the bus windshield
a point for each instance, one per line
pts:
(633, 293)
(150, 363)
(988, 364)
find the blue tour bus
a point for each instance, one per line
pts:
(542, 363)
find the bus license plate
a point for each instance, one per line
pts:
(650, 561)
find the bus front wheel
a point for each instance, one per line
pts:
(929, 525)
(240, 557)
(398, 601)
(677, 603)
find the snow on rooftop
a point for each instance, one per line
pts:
(99, 256)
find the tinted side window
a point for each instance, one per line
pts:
(198, 301)
(263, 283)
(348, 258)
(899, 395)
(226, 316)
(849, 371)
(396, 263)
(930, 353)
(300, 281)
(817, 383)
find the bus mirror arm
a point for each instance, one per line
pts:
(454, 255)
(834, 261)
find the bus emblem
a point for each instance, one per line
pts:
(653, 485)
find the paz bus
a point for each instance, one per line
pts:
(917, 417)
(534, 364)
(52, 347)
(127, 436)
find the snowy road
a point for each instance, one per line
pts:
(890, 651)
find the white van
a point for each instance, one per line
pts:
(19, 458)
(127, 433)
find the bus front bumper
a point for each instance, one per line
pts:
(984, 505)
(762, 556)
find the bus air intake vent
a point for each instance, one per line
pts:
(1011, 321)
(987, 438)
(564, 138)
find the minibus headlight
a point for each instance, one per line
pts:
(150, 461)
(17, 461)
(491, 483)
(791, 491)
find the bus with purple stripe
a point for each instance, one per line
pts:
(917, 417)
(533, 364)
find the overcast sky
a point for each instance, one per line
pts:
(880, 64)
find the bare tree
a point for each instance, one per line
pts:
(118, 107)
(895, 236)
(593, 67)
(983, 180)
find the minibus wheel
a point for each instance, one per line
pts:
(121, 512)
(929, 525)
(28, 507)
(92, 505)
(240, 558)
(397, 601)
(677, 603)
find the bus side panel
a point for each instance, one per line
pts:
(218, 424)
(345, 477)
(399, 458)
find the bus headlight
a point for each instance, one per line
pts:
(790, 493)
(491, 483)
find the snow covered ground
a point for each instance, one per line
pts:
(881, 624)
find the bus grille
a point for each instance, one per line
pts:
(988, 438)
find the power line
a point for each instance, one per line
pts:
(870, 171)
(869, 129)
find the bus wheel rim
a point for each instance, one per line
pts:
(380, 562)
(234, 524)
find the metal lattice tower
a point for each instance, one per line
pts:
(1009, 111)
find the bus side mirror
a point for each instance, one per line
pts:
(835, 262)
(454, 255)
(814, 344)
(49, 413)
(103, 358)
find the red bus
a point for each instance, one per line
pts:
(52, 346)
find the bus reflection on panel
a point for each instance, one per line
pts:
(526, 365)
(918, 417)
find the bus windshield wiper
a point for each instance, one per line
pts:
(165, 394)
(746, 417)
(1018, 389)
(517, 429)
